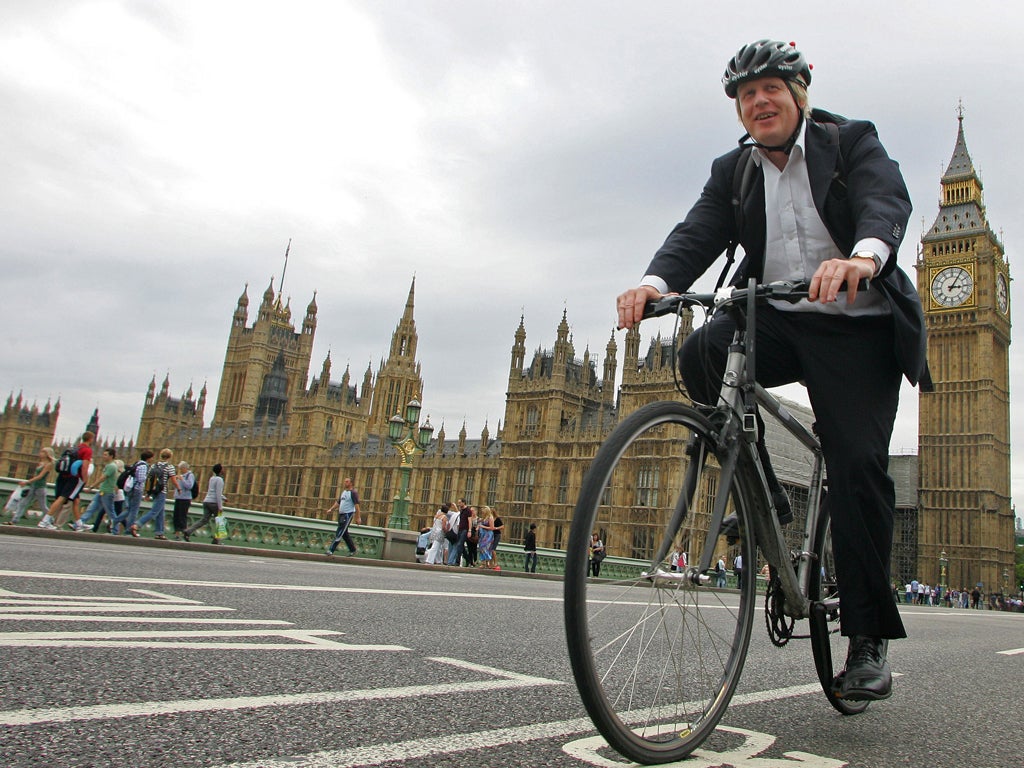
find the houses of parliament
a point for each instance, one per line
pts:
(287, 438)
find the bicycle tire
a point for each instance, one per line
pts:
(655, 665)
(827, 642)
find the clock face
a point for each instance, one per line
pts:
(1002, 293)
(952, 286)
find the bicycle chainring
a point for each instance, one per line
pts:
(780, 626)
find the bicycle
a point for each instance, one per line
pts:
(657, 657)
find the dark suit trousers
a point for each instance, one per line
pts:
(853, 382)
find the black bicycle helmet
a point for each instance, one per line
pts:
(765, 58)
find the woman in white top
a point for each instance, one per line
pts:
(436, 538)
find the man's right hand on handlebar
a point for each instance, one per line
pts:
(630, 304)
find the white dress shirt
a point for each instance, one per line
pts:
(797, 240)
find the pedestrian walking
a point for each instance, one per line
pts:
(34, 487)
(347, 507)
(213, 504)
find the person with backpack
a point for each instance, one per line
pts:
(826, 204)
(73, 469)
(186, 491)
(132, 482)
(159, 476)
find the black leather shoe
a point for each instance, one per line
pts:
(867, 676)
(783, 510)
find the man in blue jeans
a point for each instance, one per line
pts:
(133, 496)
(347, 506)
(160, 476)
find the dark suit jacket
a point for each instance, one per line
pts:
(862, 196)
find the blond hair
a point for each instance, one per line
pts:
(798, 88)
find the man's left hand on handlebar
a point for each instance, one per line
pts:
(830, 276)
(630, 304)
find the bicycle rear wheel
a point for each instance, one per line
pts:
(827, 642)
(656, 655)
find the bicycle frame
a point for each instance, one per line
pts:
(739, 436)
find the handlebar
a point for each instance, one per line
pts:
(782, 290)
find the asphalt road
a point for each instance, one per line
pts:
(146, 657)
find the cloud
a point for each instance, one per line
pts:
(519, 160)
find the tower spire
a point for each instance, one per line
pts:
(285, 268)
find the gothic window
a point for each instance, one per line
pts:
(563, 485)
(328, 429)
(18, 441)
(647, 486)
(532, 419)
(366, 487)
(294, 482)
(522, 490)
(470, 487)
(492, 490)
(643, 542)
(425, 493)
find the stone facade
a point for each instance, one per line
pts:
(964, 430)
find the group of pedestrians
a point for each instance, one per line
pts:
(462, 535)
(118, 493)
(919, 593)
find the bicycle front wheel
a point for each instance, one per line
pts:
(656, 653)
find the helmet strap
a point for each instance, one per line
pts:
(784, 148)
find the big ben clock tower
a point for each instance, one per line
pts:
(965, 526)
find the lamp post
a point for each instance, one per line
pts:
(943, 570)
(409, 437)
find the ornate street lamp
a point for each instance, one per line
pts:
(943, 570)
(410, 438)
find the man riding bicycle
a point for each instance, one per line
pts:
(825, 203)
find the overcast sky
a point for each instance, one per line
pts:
(517, 158)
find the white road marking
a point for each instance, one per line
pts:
(446, 744)
(500, 680)
(1012, 652)
(7, 597)
(45, 606)
(743, 756)
(73, 618)
(302, 639)
(301, 588)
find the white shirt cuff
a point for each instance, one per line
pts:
(878, 247)
(657, 283)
